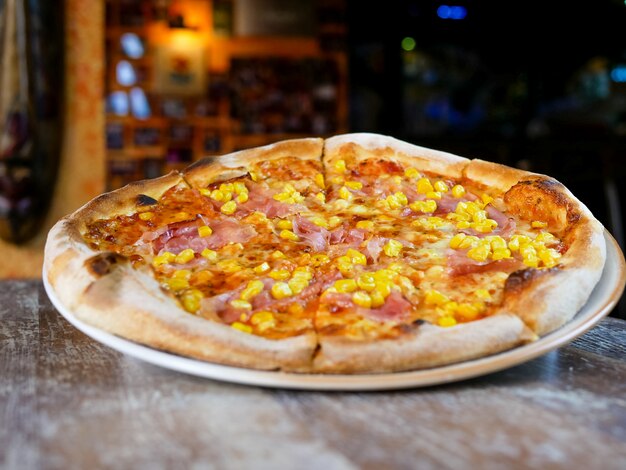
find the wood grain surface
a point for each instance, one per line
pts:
(68, 402)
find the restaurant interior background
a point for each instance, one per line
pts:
(152, 85)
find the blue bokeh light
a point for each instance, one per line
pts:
(451, 12)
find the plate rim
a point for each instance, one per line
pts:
(578, 325)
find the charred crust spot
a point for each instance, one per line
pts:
(145, 200)
(103, 263)
(519, 280)
(419, 322)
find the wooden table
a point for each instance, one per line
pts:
(69, 402)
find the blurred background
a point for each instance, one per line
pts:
(152, 85)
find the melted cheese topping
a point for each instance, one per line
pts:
(362, 250)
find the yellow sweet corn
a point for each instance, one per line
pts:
(424, 186)
(280, 290)
(205, 231)
(289, 235)
(184, 256)
(345, 285)
(340, 165)
(146, 215)
(229, 207)
(392, 248)
(164, 258)
(241, 327)
(365, 224)
(458, 191)
(362, 299)
(344, 193)
(191, 300)
(434, 297)
(440, 186)
(412, 173)
(356, 256)
(447, 321)
(254, 288)
(209, 254)
(355, 185)
(377, 299)
(280, 274)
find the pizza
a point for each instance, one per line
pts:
(355, 254)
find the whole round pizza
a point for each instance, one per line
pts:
(355, 254)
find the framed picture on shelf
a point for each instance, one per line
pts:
(180, 66)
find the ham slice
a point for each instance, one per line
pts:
(459, 264)
(182, 235)
(261, 199)
(312, 235)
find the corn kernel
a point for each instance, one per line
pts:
(262, 316)
(356, 185)
(468, 311)
(486, 226)
(182, 274)
(191, 300)
(546, 238)
(479, 253)
(297, 284)
(253, 289)
(446, 321)
(334, 221)
(177, 284)
(433, 195)
(204, 231)
(411, 172)
(392, 248)
(344, 264)
(254, 176)
(538, 224)
(282, 197)
(424, 186)
(205, 192)
(532, 261)
(280, 274)
(262, 268)
(434, 271)
(501, 253)
(280, 290)
(434, 297)
(345, 285)
(463, 224)
(241, 304)
(456, 240)
(242, 197)
(229, 207)
(209, 254)
(289, 235)
(365, 224)
(241, 327)
(321, 197)
(146, 215)
(164, 258)
(340, 165)
(486, 199)
(184, 256)
(319, 180)
(278, 255)
(344, 193)
(440, 186)
(362, 299)
(377, 299)
(366, 282)
(284, 224)
(217, 195)
(458, 191)
(356, 256)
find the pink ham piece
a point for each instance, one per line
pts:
(312, 235)
(182, 235)
(459, 264)
(262, 200)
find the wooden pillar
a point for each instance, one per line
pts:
(82, 170)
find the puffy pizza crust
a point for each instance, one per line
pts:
(364, 146)
(237, 164)
(427, 346)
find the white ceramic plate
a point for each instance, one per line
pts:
(602, 300)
